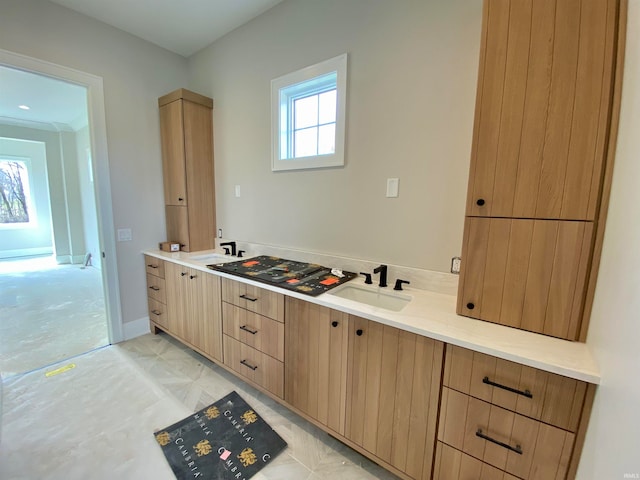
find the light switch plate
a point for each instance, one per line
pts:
(392, 187)
(124, 235)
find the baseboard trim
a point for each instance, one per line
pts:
(136, 328)
(26, 252)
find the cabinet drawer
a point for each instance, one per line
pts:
(452, 464)
(519, 445)
(528, 391)
(154, 266)
(255, 330)
(254, 365)
(157, 312)
(255, 299)
(156, 288)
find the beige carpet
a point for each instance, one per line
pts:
(93, 421)
(48, 312)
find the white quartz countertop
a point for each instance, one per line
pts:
(434, 315)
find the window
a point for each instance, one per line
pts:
(15, 195)
(308, 116)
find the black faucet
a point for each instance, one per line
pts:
(399, 283)
(232, 245)
(382, 270)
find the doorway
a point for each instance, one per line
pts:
(81, 218)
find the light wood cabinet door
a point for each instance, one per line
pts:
(255, 299)
(521, 446)
(543, 108)
(528, 274)
(173, 153)
(452, 464)
(541, 395)
(154, 266)
(157, 312)
(393, 384)
(193, 308)
(316, 366)
(156, 288)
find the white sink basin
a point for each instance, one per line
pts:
(374, 296)
(213, 258)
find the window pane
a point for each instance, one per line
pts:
(306, 142)
(306, 112)
(327, 139)
(328, 107)
(14, 198)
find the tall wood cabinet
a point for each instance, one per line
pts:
(544, 117)
(186, 128)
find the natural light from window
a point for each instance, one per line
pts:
(16, 206)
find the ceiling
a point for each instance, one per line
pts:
(182, 27)
(53, 104)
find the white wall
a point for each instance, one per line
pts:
(412, 74)
(613, 441)
(135, 74)
(36, 239)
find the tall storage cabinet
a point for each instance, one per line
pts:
(186, 128)
(544, 119)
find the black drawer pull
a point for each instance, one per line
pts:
(247, 364)
(334, 324)
(152, 266)
(480, 202)
(192, 276)
(471, 306)
(156, 312)
(525, 393)
(248, 298)
(182, 274)
(247, 329)
(517, 448)
(154, 288)
(359, 332)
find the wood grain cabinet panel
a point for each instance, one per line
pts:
(157, 312)
(259, 368)
(255, 299)
(528, 274)
(257, 331)
(156, 288)
(316, 366)
(541, 395)
(186, 128)
(521, 446)
(543, 108)
(193, 308)
(154, 266)
(393, 385)
(452, 464)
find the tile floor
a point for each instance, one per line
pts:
(83, 423)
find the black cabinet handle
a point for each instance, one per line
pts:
(156, 312)
(182, 274)
(471, 306)
(192, 276)
(334, 324)
(359, 332)
(152, 266)
(517, 448)
(154, 288)
(180, 199)
(247, 329)
(248, 365)
(524, 393)
(480, 202)
(248, 298)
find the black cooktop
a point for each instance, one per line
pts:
(308, 278)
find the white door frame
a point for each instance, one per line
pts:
(102, 183)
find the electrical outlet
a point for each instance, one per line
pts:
(392, 187)
(237, 189)
(219, 233)
(455, 265)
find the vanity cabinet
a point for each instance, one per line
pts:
(316, 362)
(541, 163)
(393, 386)
(156, 291)
(253, 322)
(496, 414)
(186, 128)
(193, 308)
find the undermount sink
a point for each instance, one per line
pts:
(213, 258)
(372, 296)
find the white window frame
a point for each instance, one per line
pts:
(283, 91)
(28, 188)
